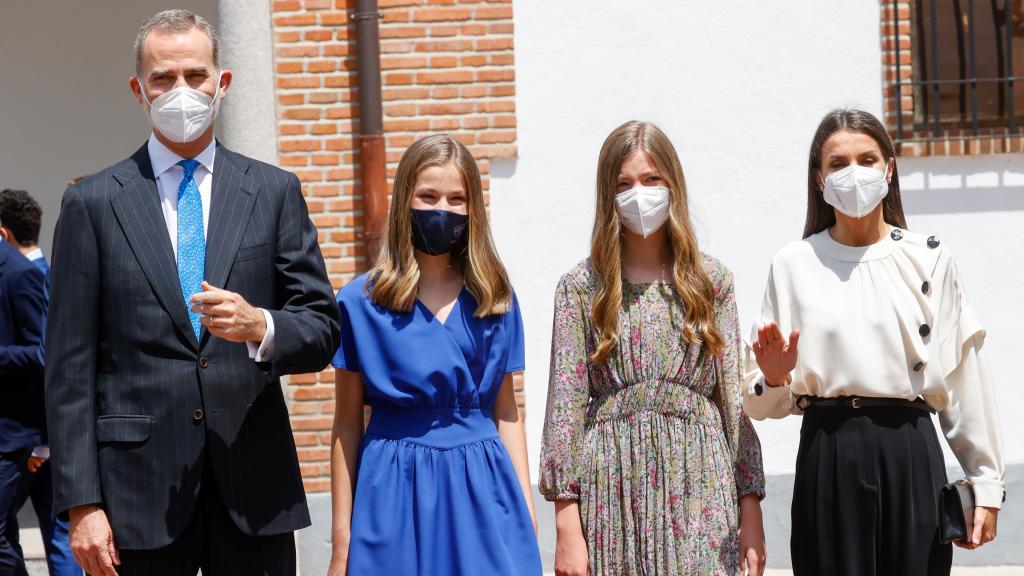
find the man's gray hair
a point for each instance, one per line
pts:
(175, 21)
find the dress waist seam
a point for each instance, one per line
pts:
(439, 448)
(440, 429)
(665, 397)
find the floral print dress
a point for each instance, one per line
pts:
(653, 443)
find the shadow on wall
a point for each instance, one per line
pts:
(957, 185)
(504, 167)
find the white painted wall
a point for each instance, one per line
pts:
(740, 88)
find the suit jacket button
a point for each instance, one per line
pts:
(203, 362)
(926, 287)
(919, 366)
(198, 416)
(924, 330)
(933, 242)
(896, 234)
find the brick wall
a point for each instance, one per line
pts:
(898, 58)
(446, 66)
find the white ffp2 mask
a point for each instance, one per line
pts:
(182, 114)
(643, 209)
(856, 190)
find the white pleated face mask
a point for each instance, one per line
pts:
(183, 114)
(856, 190)
(643, 209)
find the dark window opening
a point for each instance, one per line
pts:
(968, 69)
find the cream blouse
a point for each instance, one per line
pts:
(889, 320)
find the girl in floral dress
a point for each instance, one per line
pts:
(647, 454)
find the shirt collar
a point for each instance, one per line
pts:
(35, 254)
(162, 158)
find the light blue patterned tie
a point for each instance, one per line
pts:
(191, 239)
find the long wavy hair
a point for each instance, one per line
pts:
(820, 215)
(689, 278)
(394, 279)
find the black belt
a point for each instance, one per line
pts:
(855, 402)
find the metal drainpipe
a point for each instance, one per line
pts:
(372, 160)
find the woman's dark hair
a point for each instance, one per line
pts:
(819, 214)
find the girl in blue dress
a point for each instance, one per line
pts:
(432, 340)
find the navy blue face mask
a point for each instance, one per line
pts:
(438, 231)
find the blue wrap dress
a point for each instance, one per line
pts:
(436, 491)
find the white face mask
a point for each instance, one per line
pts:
(182, 114)
(856, 190)
(643, 209)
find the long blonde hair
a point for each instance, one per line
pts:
(394, 279)
(688, 275)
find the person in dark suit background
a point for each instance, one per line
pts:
(185, 281)
(22, 317)
(20, 219)
(22, 422)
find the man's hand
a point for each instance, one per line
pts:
(92, 541)
(35, 463)
(227, 315)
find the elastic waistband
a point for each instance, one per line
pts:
(442, 428)
(659, 396)
(859, 402)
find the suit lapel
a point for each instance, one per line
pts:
(231, 202)
(137, 208)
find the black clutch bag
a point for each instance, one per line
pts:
(956, 512)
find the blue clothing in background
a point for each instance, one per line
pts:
(23, 303)
(56, 540)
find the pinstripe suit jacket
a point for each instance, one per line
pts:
(126, 377)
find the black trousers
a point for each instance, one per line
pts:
(866, 493)
(212, 542)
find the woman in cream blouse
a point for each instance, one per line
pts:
(866, 330)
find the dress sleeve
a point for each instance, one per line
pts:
(970, 420)
(760, 400)
(739, 432)
(568, 396)
(516, 341)
(346, 358)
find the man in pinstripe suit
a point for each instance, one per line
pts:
(185, 280)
